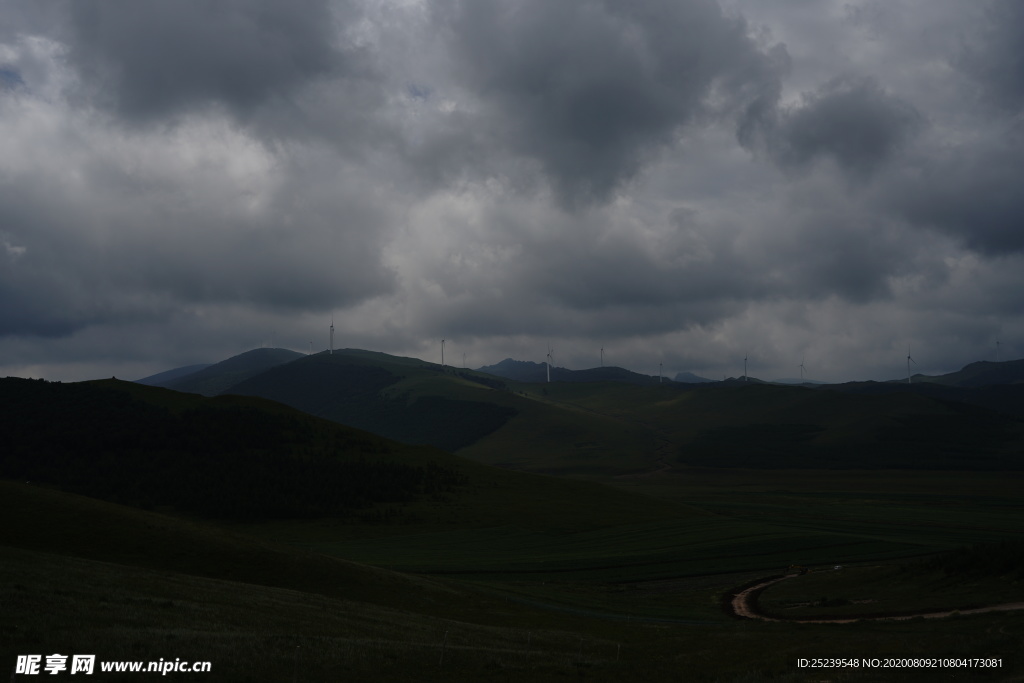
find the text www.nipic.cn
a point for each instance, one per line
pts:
(32, 665)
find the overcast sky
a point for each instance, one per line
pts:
(677, 181)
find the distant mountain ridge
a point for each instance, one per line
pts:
(979, 374)
(362, 390)
(528, 371)
(167, 376)
(690, 378)
(796, 380)
(219, 377)
(629, 422)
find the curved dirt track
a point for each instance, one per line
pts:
(744, 604)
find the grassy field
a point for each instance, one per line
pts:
(617, 574)
(261, 611)
(857, 591)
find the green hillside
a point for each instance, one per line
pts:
(762, 425)
(479, 415)
(982, 373)
(164, 378)
(470, 572)
(245, 458)
(150, 586)
(1001, 398)
(216, 378)
(530, 372)
(402, 399)
(611, 427)
(228, 457)
(44, 520)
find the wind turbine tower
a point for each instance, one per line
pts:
(909, 361)
(332, 334)
(801, 370)
(548, 362)
(659, 372)
(602, 356)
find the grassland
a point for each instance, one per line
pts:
(873, 590)
(616, 574)
(967, 578)
(611, 428)
(152, 586)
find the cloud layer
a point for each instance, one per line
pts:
(685, 182)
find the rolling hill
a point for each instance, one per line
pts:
(505, 575)
(691, 378)
(612, 427)
(481, 416)
(1001, 398)
(163, 378)
(530, 372)
(217, 378)
(246, 458)
(763, 425)
(980, 374)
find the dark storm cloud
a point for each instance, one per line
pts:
(994, 55)
(112, 246)
(506, 173)
(591, 89)
(21, 17)
(149, 59)
(694, 266)
(971, 192)
(10, 79)
(853, 121)
(837, 250)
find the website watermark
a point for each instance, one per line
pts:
(35, 665)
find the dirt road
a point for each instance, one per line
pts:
(744, 604)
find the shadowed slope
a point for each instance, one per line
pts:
(214, 379)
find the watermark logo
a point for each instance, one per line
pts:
(34, 665)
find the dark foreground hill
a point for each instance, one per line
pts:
(228, 457)
(792, 427)
(1000, 398)
(246, 458)
(760, 425)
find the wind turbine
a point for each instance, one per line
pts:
(745, 367)
(332, 333)
(548, 363)
(801, 370)
(442, 353)
(602, 356)
(909, 361)
(659, 372)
